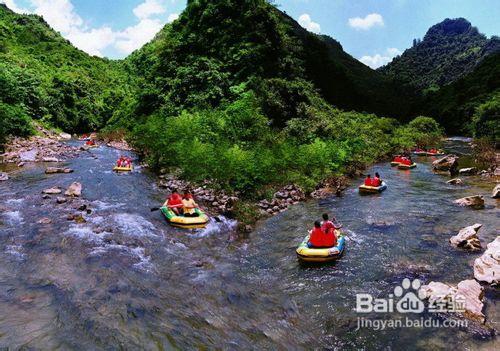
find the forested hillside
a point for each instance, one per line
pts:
(42, 76)
(448, 51)
(470, 105)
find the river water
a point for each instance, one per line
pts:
(124, 279)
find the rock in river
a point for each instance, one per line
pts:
(446, 164)
(468, 291)
(496, 192)
(476, 201)
(468, 171)
(52, 191)
(3, 177)
(455, 181)
(53, 170)
(61, 200)
(467, 238)
(487, 267)
(74, 189)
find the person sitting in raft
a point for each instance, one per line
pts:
(368, 180)
(188, 194)
(189, 206)
(376, 181)
(121, 161)
(406, 161)
(328, 226)
(90, 143)
(397, 158)
(319, 239)
(174, 202)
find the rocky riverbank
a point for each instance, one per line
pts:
(47, 146)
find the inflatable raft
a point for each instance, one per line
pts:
(123, 169)
(413, 165)
(199, 221)
(435, 154)
(365, 189)
(318, 255)
(420, 153)
(394, 164)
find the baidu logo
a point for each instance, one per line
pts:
(407, 298)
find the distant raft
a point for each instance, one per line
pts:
(319, 255)
(199, 221)
(123, 169)
(420, 153)
(402, 166)
(365, 189)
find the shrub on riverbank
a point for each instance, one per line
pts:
(236, 147)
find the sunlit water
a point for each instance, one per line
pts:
(126, 280)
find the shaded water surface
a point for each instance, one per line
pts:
(126, 280)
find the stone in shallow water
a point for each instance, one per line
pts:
(3, 177)
(496, 192)
(467, 238)
(446, 164)
(52, 191)
(75, 189)
(469, 290)
(476, 201)
(44, 220)
(28, 156)
(468, 171)
(456, 181)
(487, 267)
(54, 170)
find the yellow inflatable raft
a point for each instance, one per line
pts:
(318, 255)
(372, 189)
(123, 169)
(199, 221)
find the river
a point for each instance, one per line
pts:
(124, 279)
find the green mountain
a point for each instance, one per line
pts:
(448, 51)
(461, 106)
(215, 46)
(43, 77)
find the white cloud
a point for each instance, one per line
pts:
(371, 20)
(136, 36)
(306, 22)
(378, 60)
(172, 17)
(11, 4)
(92, 41)
(59, 14)
(148, 8)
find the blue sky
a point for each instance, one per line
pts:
(370, 30)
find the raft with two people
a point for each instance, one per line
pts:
(403, 162)
(373, 185)
(184, 212)
(123, 164)
(430, 152)
(325, 243)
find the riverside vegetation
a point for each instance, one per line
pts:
(232, 92)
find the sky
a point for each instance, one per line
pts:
(373, 31)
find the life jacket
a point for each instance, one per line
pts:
(175, 200)
(368, 182)
(376, 182)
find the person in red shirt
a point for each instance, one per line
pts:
(368, 180)
(397, 158)
(320, 239)
(174, 202)
(376, 181)
(406, 161)
(329, 228)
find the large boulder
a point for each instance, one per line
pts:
(446, 164)
(470, 292)
(496, 192)
(467, 238)
(3, 177)
(476, 201)
(487, 267)
(468, 171)
(75, 189)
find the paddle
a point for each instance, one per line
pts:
(155, 209)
